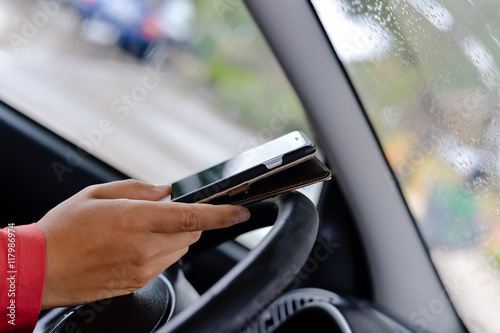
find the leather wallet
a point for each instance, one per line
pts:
(304, 173)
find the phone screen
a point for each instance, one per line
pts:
(270, 151)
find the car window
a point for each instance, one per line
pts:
(427, 75)
(159, 89)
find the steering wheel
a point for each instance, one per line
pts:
(231, 303)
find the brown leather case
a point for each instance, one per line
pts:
(305, 173)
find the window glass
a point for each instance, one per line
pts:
(427, 74)
(159, 89)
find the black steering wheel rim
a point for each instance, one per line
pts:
(247, 289)
(250, 286)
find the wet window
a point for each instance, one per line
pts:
(427, 74)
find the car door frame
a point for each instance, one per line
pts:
(405, 282)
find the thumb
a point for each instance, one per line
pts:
(129, 189)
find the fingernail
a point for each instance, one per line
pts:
(163, 187)
(243, 216)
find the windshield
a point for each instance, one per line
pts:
(159, 89)
(427, 74)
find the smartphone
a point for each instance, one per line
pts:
(236, 174)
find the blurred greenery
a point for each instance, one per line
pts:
(241, 70)
(432, 98)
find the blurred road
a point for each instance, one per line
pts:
(148, 123)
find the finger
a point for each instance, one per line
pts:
(129, 189)
(173, 217)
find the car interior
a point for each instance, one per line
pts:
(357, 259)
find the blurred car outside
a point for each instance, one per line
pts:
(145, 29)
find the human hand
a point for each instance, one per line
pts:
(112, 239)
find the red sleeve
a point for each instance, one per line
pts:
(22, 277)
